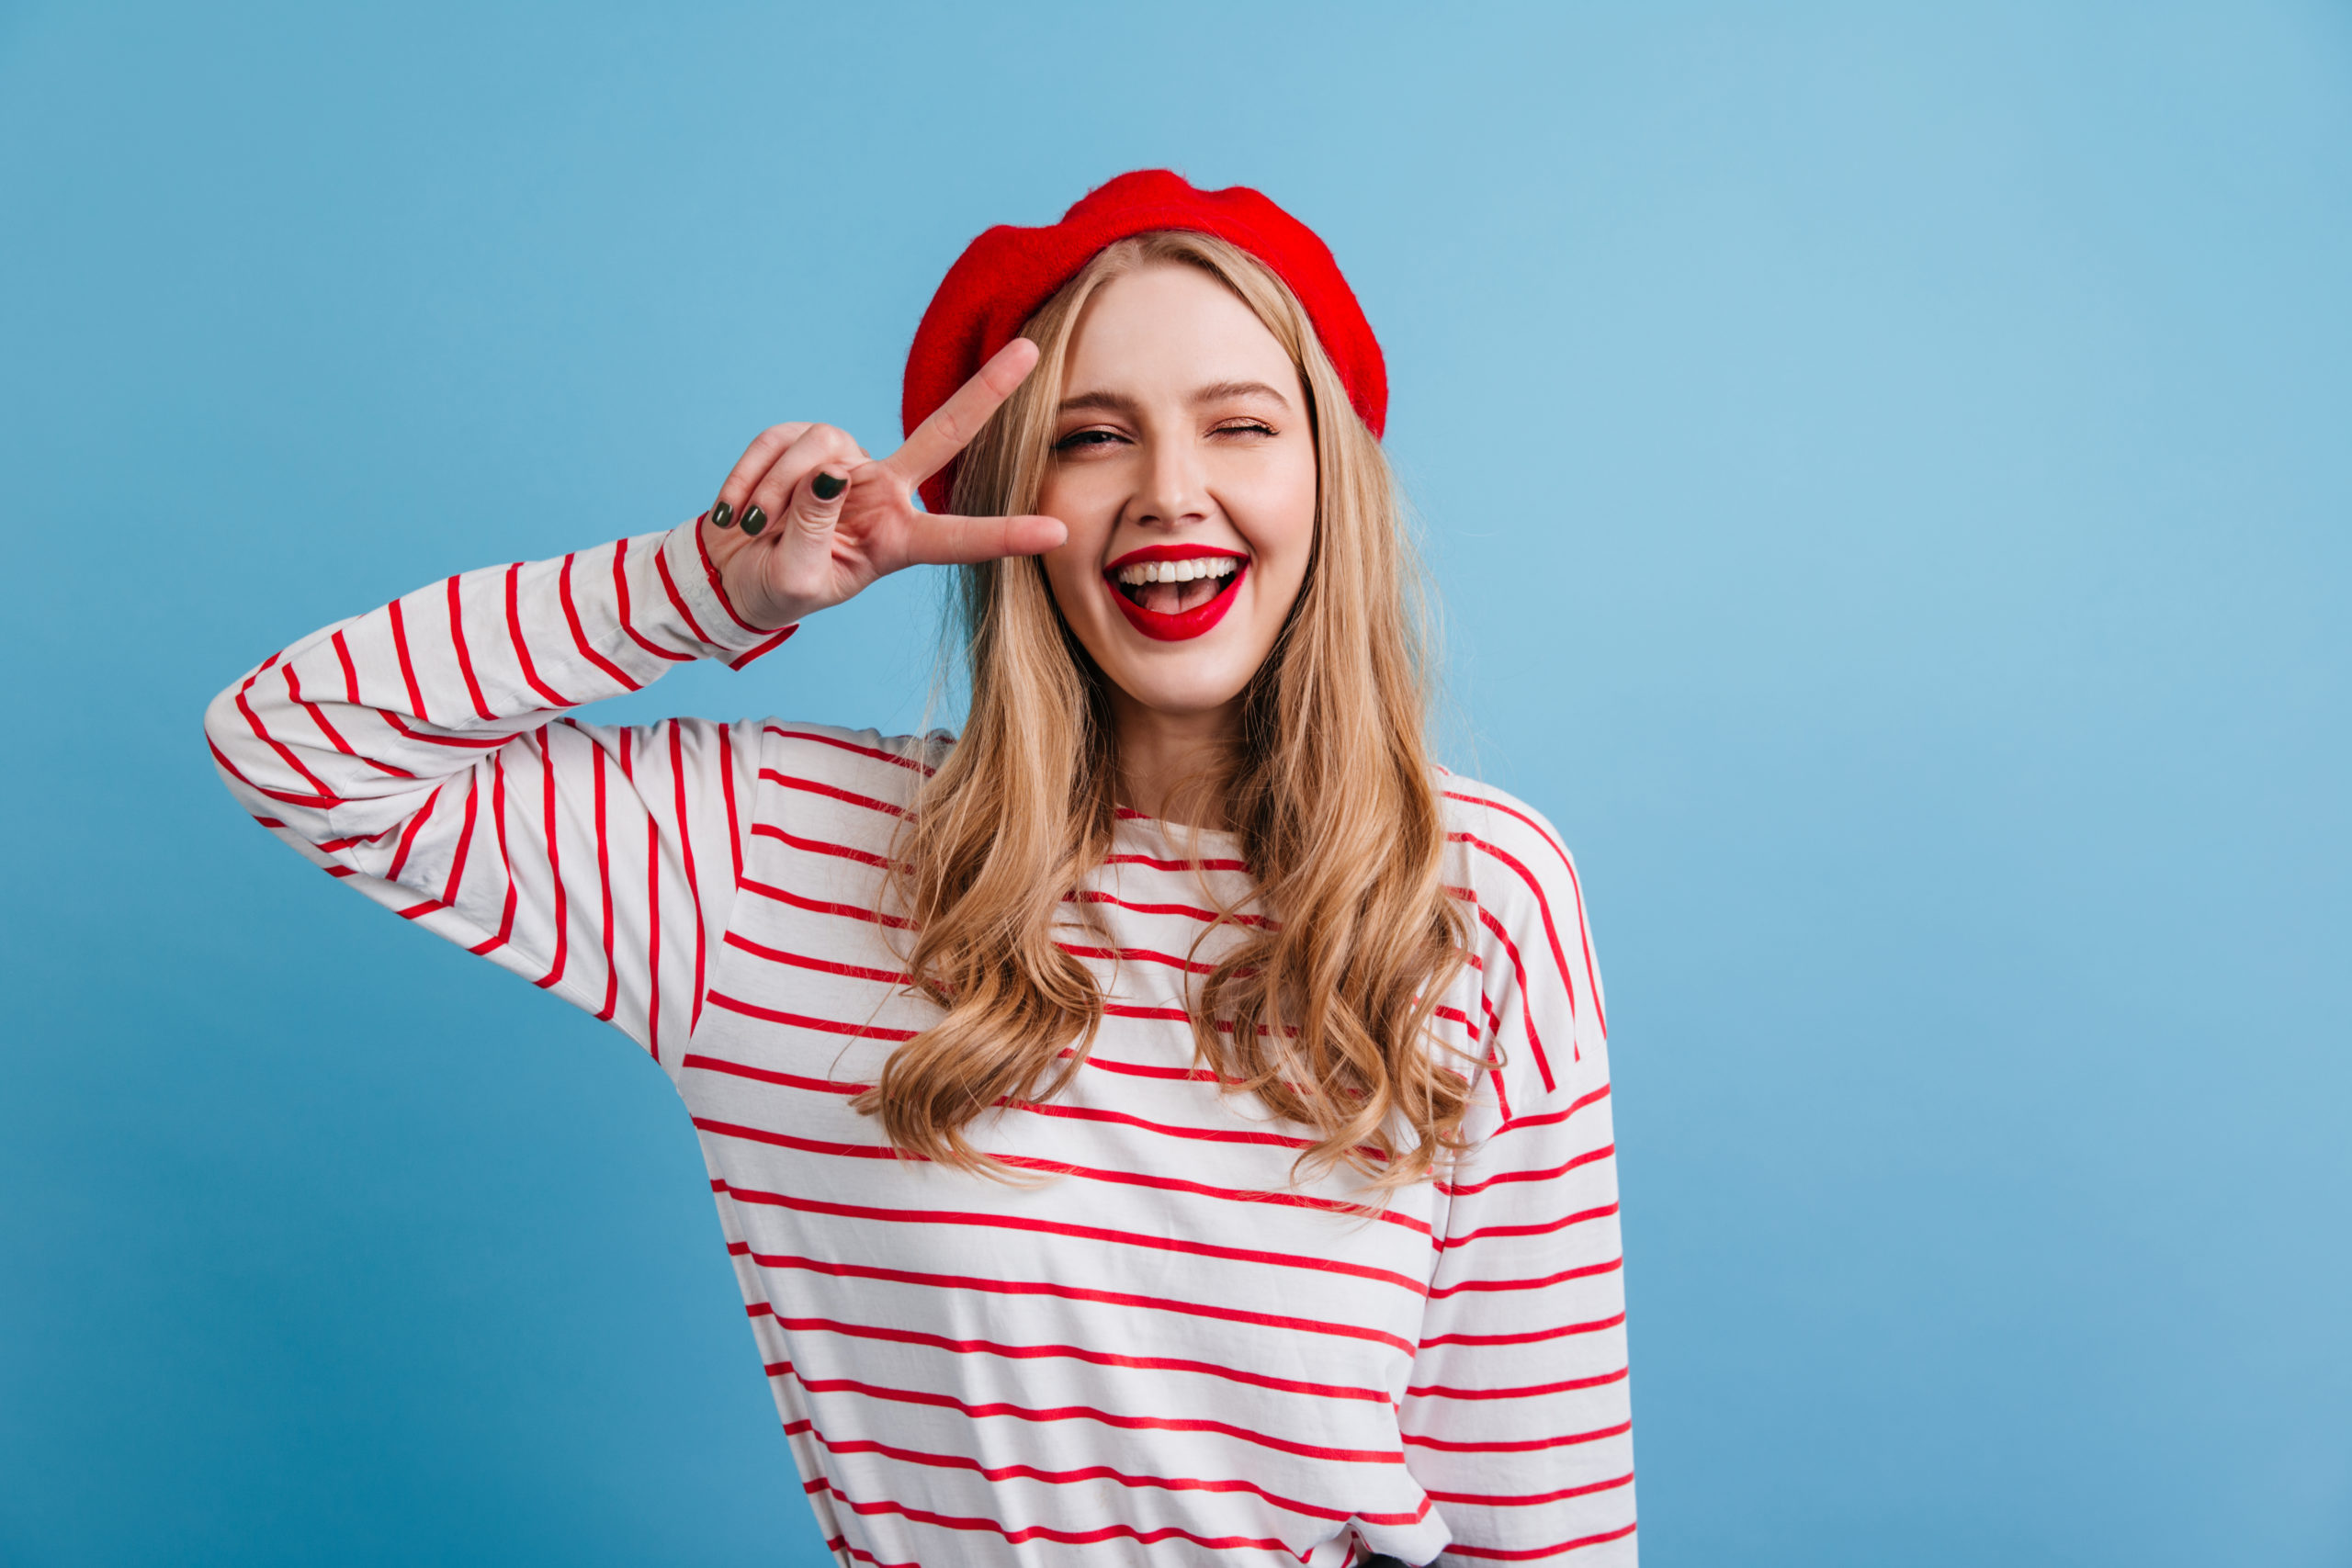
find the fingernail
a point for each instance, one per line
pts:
(722, 515)
(824, 487)
(753, 520)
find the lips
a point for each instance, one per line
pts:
(1183, 624)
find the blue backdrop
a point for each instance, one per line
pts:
(1890, 469)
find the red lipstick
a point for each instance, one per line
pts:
(1185, 624)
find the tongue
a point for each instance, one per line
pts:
(1175, 598)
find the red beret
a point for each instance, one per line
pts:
(1005, 275)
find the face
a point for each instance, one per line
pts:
(1184, 468)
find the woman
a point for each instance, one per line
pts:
(1170, 1120)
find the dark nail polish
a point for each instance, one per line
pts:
(824, 487)
(753, 520)
(722, 515)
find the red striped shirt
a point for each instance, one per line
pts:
(1154, 1337)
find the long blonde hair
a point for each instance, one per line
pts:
(1323, 1008)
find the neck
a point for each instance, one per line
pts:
(1159, 754)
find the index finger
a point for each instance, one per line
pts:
(937, 439)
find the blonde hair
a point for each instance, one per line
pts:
(1323, 1009)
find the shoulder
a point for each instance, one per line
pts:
(1529, 930)
(853, 768)
(1507, 853)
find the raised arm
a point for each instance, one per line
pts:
(418, 752)
(1517, 1420)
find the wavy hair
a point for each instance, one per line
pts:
(1323, 1008)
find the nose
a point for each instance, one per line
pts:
(1174, 492)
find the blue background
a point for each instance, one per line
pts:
(1890, 469)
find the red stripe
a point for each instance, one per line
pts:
(1545, 1228)
(1584, 1272)
(1091, 895)
(875, 752)
(335, 736)
(1045, 1532)
(286, 797)
(1498, 1554)
(465, 841)
(408, 670)
(1087, 1412)
(822, 966)
(812, 786)
(1285, 1198)
(523, 648)
(1104, 1473)
(465, 658)
(285, 752)
(1551, 1118)
(580, 637)
(605, 894)
(1526, 996)
(1079, 1353)
(1046, 1288)
(686, 851)
(654, 937)
(1138, 955)
(1576, 887)
(800, 1020)
(974, 1219)
(350, 674)
(1569, 1385)
(741, 659)
(726, 789)
(469, 742)
(620, 590)
(822, 847)
(822, 907)
(554, 865)
(1487, 1500)
(695, 1059)
(678, 600)
(1543, 906)
(1158, 864)
(505, 860)
(719, 589)
(1588, 1157)
(1561, 1332)
(408, 838)
(1527, 1446)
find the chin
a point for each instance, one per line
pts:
(1207, 687)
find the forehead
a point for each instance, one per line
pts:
(1172, 327)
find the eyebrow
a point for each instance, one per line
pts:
(1217, 391)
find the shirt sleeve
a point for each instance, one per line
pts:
(1517, 1420)
(419, 753)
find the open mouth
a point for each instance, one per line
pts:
(1175, 592)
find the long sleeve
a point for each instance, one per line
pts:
(1517, 1420)
(418, 752)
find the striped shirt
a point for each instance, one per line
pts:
(1161, 1344)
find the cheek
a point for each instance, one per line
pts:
(1284, 534)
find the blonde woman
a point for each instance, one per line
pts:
(1169, 1122)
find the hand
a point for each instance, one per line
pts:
(808, 519)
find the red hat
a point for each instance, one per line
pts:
(1005, 275)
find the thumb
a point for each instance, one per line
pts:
(817, 503)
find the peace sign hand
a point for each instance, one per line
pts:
(840, 520)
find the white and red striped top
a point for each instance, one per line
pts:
(1160, 1344)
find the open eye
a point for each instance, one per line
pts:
(1092, 439)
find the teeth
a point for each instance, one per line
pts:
(1180, 571)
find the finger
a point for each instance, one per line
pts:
(815, 503)
(950, 430)
(757, 458)
(942, 540)
(818, 444)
